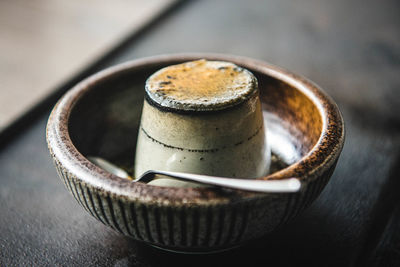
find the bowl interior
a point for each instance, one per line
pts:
(104, 121)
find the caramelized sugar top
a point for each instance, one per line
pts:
(200, 86)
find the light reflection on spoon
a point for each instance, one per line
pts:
(289, 185)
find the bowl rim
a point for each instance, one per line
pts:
(324, 153)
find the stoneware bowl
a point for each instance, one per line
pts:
(100, 117)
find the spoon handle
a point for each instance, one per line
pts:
(289, 185)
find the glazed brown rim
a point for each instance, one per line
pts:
(322, 156)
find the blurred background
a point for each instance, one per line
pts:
(351, 48)
(46, 42)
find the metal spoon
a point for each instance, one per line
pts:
(289, 185)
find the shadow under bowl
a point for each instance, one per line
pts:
(100, 117)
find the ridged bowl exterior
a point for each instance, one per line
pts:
(189, 220)
(192, 228)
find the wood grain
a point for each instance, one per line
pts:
(46, 42)
(350, 48)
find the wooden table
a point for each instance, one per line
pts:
(350, 48)
(46, 42)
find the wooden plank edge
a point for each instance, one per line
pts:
(31, 115)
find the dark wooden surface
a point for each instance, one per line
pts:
(350, 48)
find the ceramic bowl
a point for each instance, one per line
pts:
(100, 117)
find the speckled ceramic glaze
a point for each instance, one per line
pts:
(100, 117)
